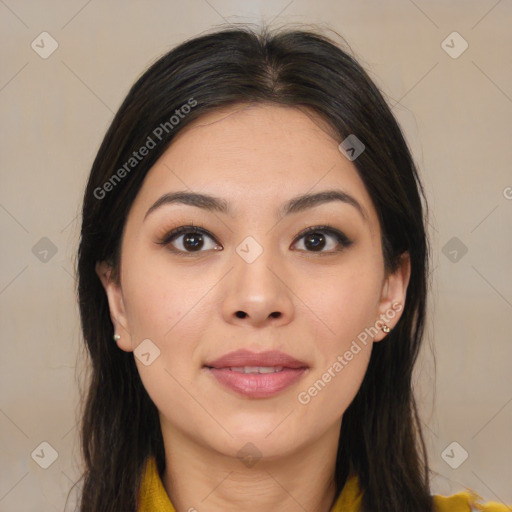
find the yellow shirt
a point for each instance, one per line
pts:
(153, 497)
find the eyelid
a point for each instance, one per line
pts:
(342, 238)
(183, 229)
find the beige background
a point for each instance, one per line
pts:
(456, 113)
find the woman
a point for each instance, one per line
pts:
(253, 240)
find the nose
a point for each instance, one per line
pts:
(258, 293)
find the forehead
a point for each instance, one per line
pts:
(259, 155)
(275, 134)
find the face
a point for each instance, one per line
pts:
(254, 270)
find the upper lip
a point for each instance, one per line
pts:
(243, 357)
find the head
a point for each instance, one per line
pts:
(292, 245)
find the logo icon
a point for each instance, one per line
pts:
(249, 454)
(454, 45)
(146, 352)
(351, 147)
(45, 455)
(454, 455)
(44, 45)
(44, 250)
(249, 250)
(454, 249)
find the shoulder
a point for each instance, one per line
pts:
(350, 500)
(467, 502)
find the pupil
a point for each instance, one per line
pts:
(310, 243)
(193, 241)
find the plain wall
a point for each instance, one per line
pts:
(455, 112)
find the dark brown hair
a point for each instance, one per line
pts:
(380, 438)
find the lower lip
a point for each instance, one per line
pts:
(257, 385)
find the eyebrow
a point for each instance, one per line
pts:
(294, 205)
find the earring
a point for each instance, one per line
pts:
(386, 328)
(117, 337)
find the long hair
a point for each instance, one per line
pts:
(380, 438)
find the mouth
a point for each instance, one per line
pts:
(265, 360)
(256, 375)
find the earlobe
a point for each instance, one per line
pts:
(394, 291)
(116, 306)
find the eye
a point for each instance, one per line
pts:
(189, 239)
(317, 238)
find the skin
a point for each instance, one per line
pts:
(256, 158)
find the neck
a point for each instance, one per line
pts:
(198, 478)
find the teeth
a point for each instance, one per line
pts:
(256, 369)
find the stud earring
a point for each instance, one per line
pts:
(117, 337)
(386, 328)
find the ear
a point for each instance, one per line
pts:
(116, 305)
(392, 300)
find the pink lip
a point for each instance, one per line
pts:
(247, 358)
(257, 385)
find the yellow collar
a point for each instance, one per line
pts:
(153, 497)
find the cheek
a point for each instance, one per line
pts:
(345, 300)
(159, 300)
(330, 389)
(348, 306)
(167, 309)
(172, 308)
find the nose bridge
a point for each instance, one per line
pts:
(253, 264)
(255, 289)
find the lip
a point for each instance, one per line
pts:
(256, 385)
(245, 357)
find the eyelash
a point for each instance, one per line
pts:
(339, 236)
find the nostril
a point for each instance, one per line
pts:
(243, 314)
